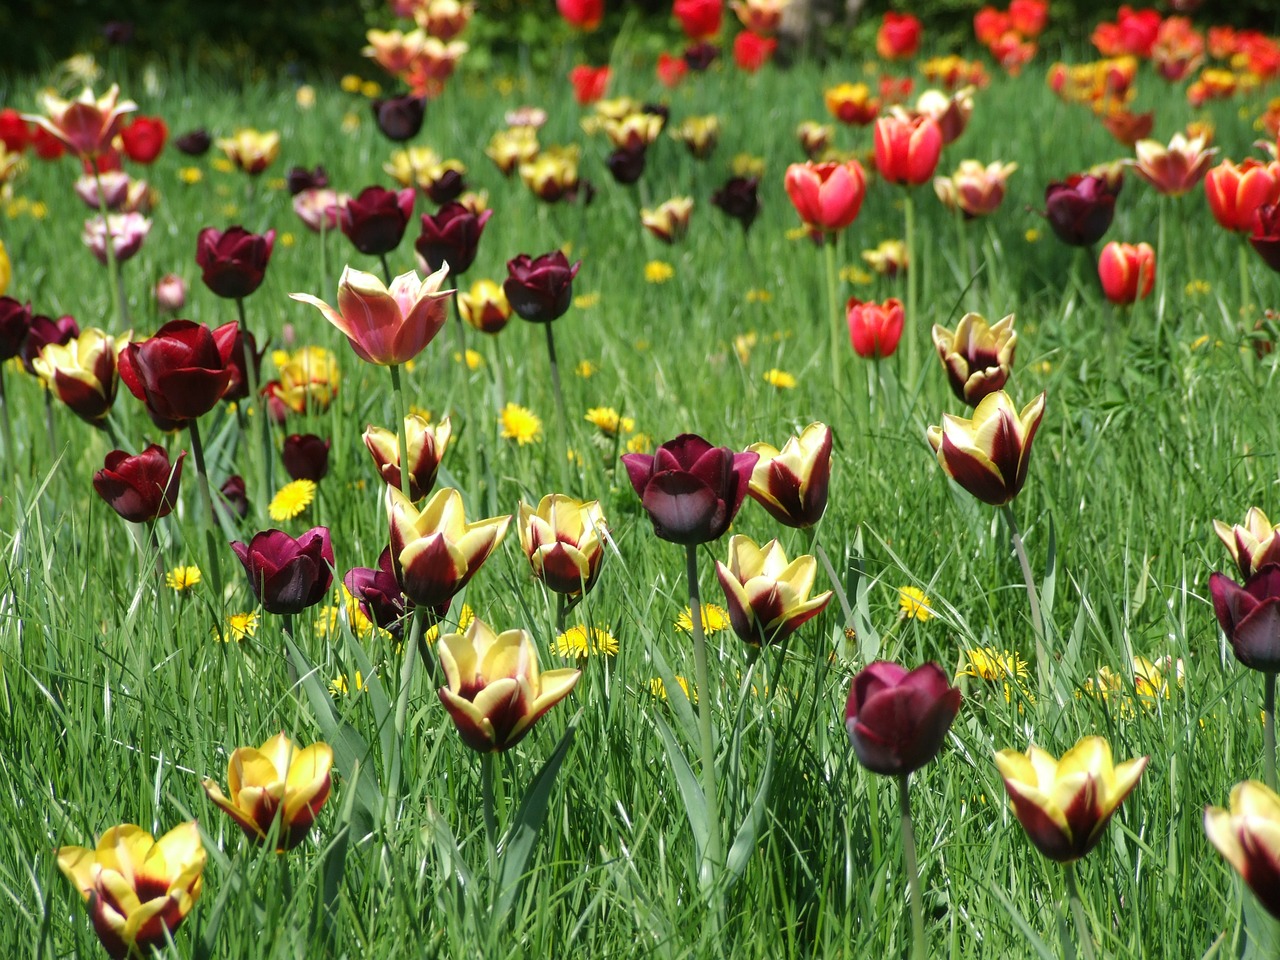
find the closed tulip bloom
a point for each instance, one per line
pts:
(86, 125)
(977, 356)
(452, 236)
(399, 118)
(181, 372)
(234, 261)
(234, 496)
(852, 103)
(424, 446)
(306, 457)
(1249, 615)
(583, 15)
(699, 135)
(699, 19)
(436, 550)
(1175, 169)
(989, 454)
(690, 489)
(814, 138)
(1248, 837)
(1253, 544)
(485, 307)
(767, 596)
(494, 690)
(827, 196)
(540, 289)
(669, 221)
(143, 487)
(386, 325)
(1127, 272)
(564, 541)
(626, 166)
(792, 483)
(761, 17)
(299, 179)
(975, 189)
(1080, 208)
(375, 219)
(275, 780)
(740, 199)
(126, 231)
(138, 889)
(144, 138)
(899, 36)
(83, 372)
(250, 150)
(875, 328)
(897, 719)
(318, 207)
(1266, 234)
(589, 83)
(907, 150)
(444, 19)
(171, 293)
(551, 175)
(950, 111)
(1235, 193)
(46, 332)
(109, 188)
(378, 593)
(288, 575)
(15, 322)
(194, 143)
(1065, 805)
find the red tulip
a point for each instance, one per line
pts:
(233, 262)
(140, 488)
(827, 196)
(671, 69)
(897, 719)
(144, 138)
(907, 151)
(751, 52)
(1235, 193)
(899, 36)
(181, 372)
(376, 219)
(699, 19)
(306, 457)
(1127, 272)
(15, 134)
(589, 83)
(690, 489)
(581, 14)
(875, 328)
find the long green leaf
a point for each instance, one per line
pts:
(695, 802)
(744, 843)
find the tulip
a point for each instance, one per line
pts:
(317, 207)
(907, 150)
(288, 575)
(109, 189)
(375, 220)
(791, 483)
(46, 332)
(767, 596)
(15, 133)
(633, 131)
(977, 356)
(669, 221)
(400, 118)
(761, 17)
(1249, 615)
(1080, 208)
(15, 322)
(309, 380)
(386, 325)
(138, 889)
(494, 690)
(950, 112)
(1235, 193)
(740, 199)
(86, 125)
(82, 372)
(306, 457)
(699, 135)
(626, 166)
(508, 149)
(300, 179)
(1127, 272)
(233, 262)
(827, 196)
(451, 236)
(125, 230)
(699, 56)
(425, 446)
(589, 83)
(564, 541)
(988, 455)
(899, 36)
(171, 293)
(435, 550)
(485, 307)
(1175, 169)
(181, 372)
(234, 496)
(394, 50)
(888, 258)
(553, 174)
(897, 719)
(275, 781)
(540, 289)
(851, 103)
(251, 150)
(814, 138)
(194, 143)
(144, 138)
(1248, 837)
(875, 328)
(378, 593)
(143, 487)
(582, 15)
(1064, 805)
(690, 489)
(751, 52)
(1253, 544)
(1266, 234)
(974, 189)
(238, 346)
(671, 70)
(699, 19)
(444, 19)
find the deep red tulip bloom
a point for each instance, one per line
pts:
(827, 196)
(626, 165)
(15, 133)
(142, 487)
(194, 143)
(899, 36)
(699, 19)
(740, 199)
(1127, 271)
(46, 145)
(1250, 616)
(1266, 235)
(234, 495)
(299, 179)
(44, 331)
(375, 220)
(306, 456)
(233, 262)
(690, 489)
(699, 56)
(897, 719)
(452, 236)
(179, 373)
(875, 328)
(400, 118)
(1080, 208)
(15, 322)
(144, 138)
(288, 575)
(378, 593)
(907, 151)
(540, 289)
(232, 342)
(589, 83)
(581, 14)
(751, 52)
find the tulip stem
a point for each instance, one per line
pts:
(490, 817)
(912, 268)
(562, 418)
(833, 312)
(402, 414)
(386, 268)
(1077, 913)
(1163, 273)
(408, 650)
(263, 460)
(711, 858)
(1033, 599)
(10, 451)
(113, 266)
(1246, 289)
(837, 584)
(1269, 729)
(913, 868)
(207, 516)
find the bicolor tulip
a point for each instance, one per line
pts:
(287, 574)
(82, 373)
(436, 551)
(974, 189)
(181, 372)
(950, 111)
(1064, 805)
(1253, 544)
(305, 456)
(700, 135)
(317, 207)
(669, 221)
(815, 138)
(251, 150)
(494, 690)
(766, 595)
(897, 719)
(1127, 271)
(444, 19)
(851, 103)
(424, 446)
(540, 289)
(375, 219)
(988, 455)
(1249, 615)
(450, 236)
(46, 332)
(1235, 193)
(508, 149)
(907, 149)
(875, 328)
(138, 889)
(485, 307)
(109, 188)
(1248, 837)
(275, 781)
(86, 125)
(1080, 209)
(564, 541)
(378, 593)
(552, 175)
(142, 487)
(1174, 169)
(124, 231)
(827, 196)
(386, 325)
(792, 483)
(233, 262)
(309, 380)
(690, 489)
(761, 17)
(899, 36)
(634, 131)
(977, 356)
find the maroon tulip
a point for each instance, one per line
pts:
(400, 118)
(15, 321)
(450, 236)
(44, 331)
(700, 56)
(740, 199)
(897, 719)
(194, 143)
(1080, 208)
(306, 457)
(375, 220)
(300, 178)
(1266, 234)
(626, 165)
(140, 488)
(445, 188)
(180, 373)
(378, 593)
(233, 262)
(690, 489)
(1250, 616)
(235, 497)
(288, 575)
(540, 289)
(232, 339)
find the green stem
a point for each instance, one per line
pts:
(1246, 288)
(562, 418)
(208, 518)
(712, 861)
(833, 313)
(912, 867)
(386, 268)
(912, 268)
(1033, 599)
(6, 421)
(262, 459)
(490, 816)
(1077, 913)
(1162, 265)
(402, 414)
(49, 425)
(113, 266)
(1269, 729)
(410, 653)
(836, 583)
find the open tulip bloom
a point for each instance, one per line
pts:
(767, 596)
(977, 356)
(1253, 544)
(564, 541)
(1248, 837)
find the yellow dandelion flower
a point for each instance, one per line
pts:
(292, 499)
(757, 295)
(747, 165)
(1197, 288)
(913, 604)
(350, 122)
(988, 663)
(743, 344)
(640, 443)
(658, 689)
(780, 379)
(230, 210)
(579, 643)
(797, 233)
(658, 271)
(39, 210)
(338, 685)
(350, 83)
(182, 578)
(419, 411)
(586, 369)
(1032, 235)
(370, 89)
(585, 301)
(609, 421)
(305, 97)
(465, 616)
(1044, 367)
(714, 619)
(641, 345)
(239, 626)
(474, 360)
(520, 424)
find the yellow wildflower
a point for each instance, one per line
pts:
(757, 295)
(714, 619)
(780, 379)
(1032, 235)
(474, 359)
(913, 604)
(292, 499)
(305, 96)
(350, 83)
(338, 685)
(609, 420)
(465, 616)
(586, 369)
(658, 689)
(658, 271)
(585, 301)
(579, 643)
(640, 443)
(520, 424)
(182, 578)
(239, 626)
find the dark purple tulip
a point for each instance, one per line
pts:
(1266, 235)
(375, 220)
(378, 593)
(288, 575)
(300, 178)
(400, 118)
(540, 289)
(740, 199)
(306, 456)
(194, 143)
(15, 322)
(45, 331)
(446, 187)
(140, 488)
(897, 719)
(1250, 616)
(699, 56)
(626, 165)
(690, 489)
(583, 192)
(1080, 208)
(235, 497)
(451, 236)
(233, 262)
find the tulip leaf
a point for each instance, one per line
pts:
(1050, 581)
(376, 692)
(1033, 940)
(695, 801)
(860, 587)
(744, 843)
(1262, 932)
(676, 697)
(335, 858)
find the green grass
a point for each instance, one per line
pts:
(115, 700)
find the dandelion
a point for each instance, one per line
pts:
(743, 344)
(585, 301)
(287, 240)
(182, 578)
(640, 443)
(350, 83)
(305, 97)
(757, 295)
(520, 424)
(585, 368)
(797, 233)
(420, 411)
(370, 89)
(779, 379)
(913, 604)
(239, 627)
(714, 619)
(339, 688)
(609, 421)
(658, 689)
(292, 499)
(579, 643)
(658, 271)
(190, 175)
(856, 276)
(1032, 235)
(988, 663)
(223, 165)
(473, 358)
(1198, 288)
(39, 210)
(465, 616)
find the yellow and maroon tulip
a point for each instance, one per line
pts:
(974, 189)
(493, 689)
(138, 889)
(1253, 544)
(852, 103)
(768, 596)
(275, 780)
(989, 454)
(509, 149)
(669, 221)
(251, 150)
(950, 111)
(1175, 169)
(633, 132)
(791, 483)
(551, 174)
(87, 124)
(1248, 837)
(564, 541)
(976, 355)
(485, 306)
(83, 372)
(1064, 805)
(699, 135)
(424, 446)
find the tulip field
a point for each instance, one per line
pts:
(702, 503)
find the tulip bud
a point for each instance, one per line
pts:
(791, 483)
(875, 328)
(767, 597)
(1249, 615)
(424, 446)
(977, 357)
(171, 293)
(233, 262)
(288, 575)
(540, 289)
(400, 118)
(1253, 544)
(1127, 272)
(564, 541)
(306, 457)
(143, 487)
(233, 494)
(989, 454)
(897, 719)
